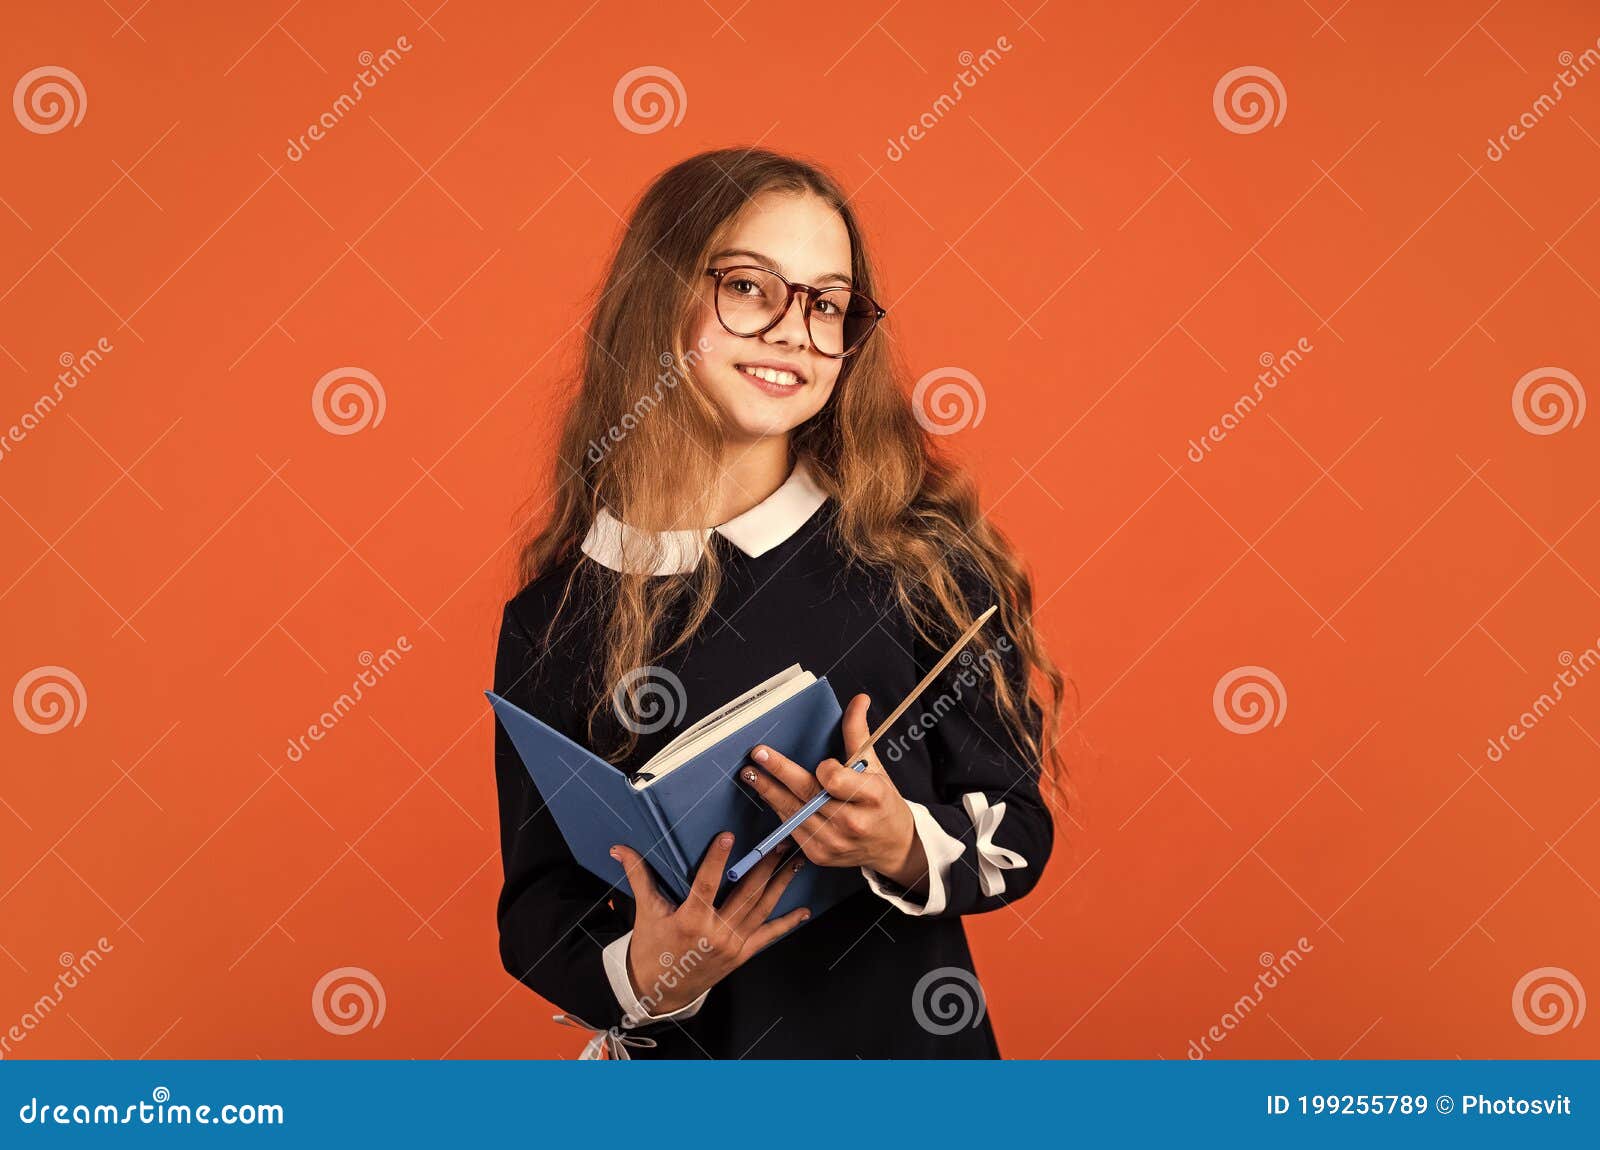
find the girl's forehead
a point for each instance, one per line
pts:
(802, 235)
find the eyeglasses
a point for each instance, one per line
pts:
(752, 300)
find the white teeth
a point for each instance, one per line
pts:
(785, 378)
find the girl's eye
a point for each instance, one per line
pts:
(826, 307)
(742, 286)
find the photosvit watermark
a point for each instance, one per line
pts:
(373, 69)
(973, 673)
(674, 969)
(1275, 369)
(1573, 69)
(377, 666)
(973, 69)
(673, 372)
(75, 369)
(1276, 968)
(76, 969)
(1575, 668)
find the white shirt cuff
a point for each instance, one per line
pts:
(634, 1012)
(941, 848)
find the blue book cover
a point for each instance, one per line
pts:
(672, 821)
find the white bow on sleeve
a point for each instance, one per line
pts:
(992, 858)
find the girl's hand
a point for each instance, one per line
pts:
(866, 824)
(719, 939)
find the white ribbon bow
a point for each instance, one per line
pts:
(609, 1043)
(992, 858)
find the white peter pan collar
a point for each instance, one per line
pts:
(611, 542)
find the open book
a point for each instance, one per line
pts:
(748, 707)
(690, 791)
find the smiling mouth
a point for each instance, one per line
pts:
(773, 376)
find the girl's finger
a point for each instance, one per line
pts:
(775, 888)
(645, 895)
(801, 782)
(777, 796)
(843, 783)
(748, 889)
(709, 877)
(770, 932)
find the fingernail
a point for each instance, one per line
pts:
(725, 839)
(749, 775)
(761, 755)
(805, 914)
(614, 853)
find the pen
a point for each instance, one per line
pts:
(858, 762)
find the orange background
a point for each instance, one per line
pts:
(1080, 232)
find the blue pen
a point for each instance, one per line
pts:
(785, 829)
(814, 804)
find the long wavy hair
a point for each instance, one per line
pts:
(903, 510)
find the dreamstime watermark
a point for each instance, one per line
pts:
(75, 369)
(49, 99)
(1249, 99)
(373, 69)
(1548, 400)
(673, 970)
(347, 1000)
(1276, 369)
(973, 69)
(648, 699)
(160, 1110)
(947, 400)
(648, 99)
(1276, 967)
(1547, 1000)
(1249, 699)
(49, 699)
(673, 372)
(948, 999)
(348, 400)
(76, 968)
(1576, 667)
(973, 674)
(376, 667)
(1573, 69)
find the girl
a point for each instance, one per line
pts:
(736, 374)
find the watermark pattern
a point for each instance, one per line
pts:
(647, 699)
(1547, 1000)
(1249, 699)
(1576, 667)
(1548, 400)
(1274, 969)
(375, 668)
(971, 676)
(1573, 69)
(947, 400)
(373, 69)
(648, 99)
(1248, 99)
(1275, 369)
(76, 967)
(75, 369)
(673, 970)
(49, 99)
(347, 1000)
(49, 699)
(673, 372)
(948, 999)
(973, 69)
(348, 400)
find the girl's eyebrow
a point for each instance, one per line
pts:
(769, 262)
